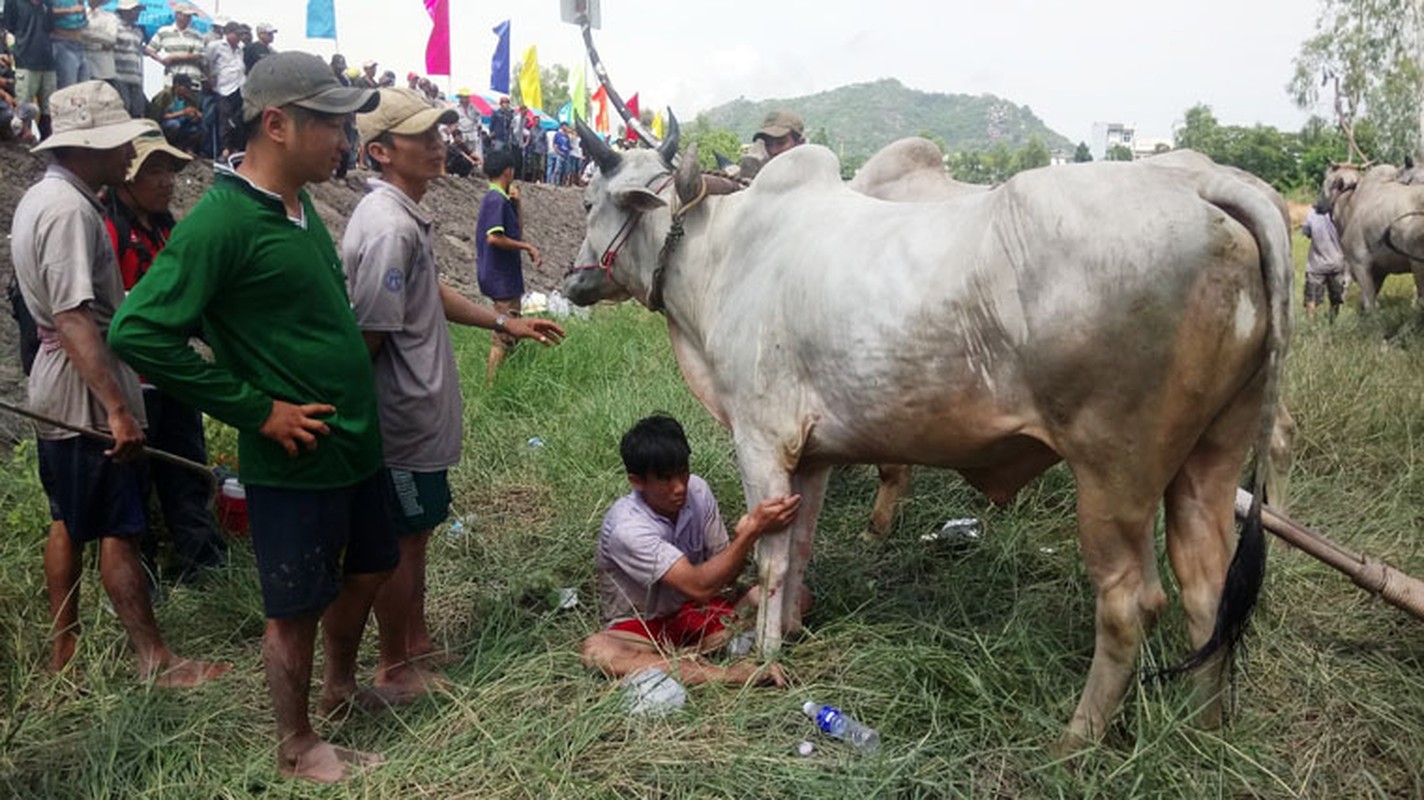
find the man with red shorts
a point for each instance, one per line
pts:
(664, 561)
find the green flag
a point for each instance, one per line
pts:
(579, 97)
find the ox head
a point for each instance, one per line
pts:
(1340, 179)
(627, 219)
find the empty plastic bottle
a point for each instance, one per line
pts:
(833, 721)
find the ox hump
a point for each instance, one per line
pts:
(809, 165)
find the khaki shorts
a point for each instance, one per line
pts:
(35, 86)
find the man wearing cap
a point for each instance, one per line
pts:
(178, 47)
(28, 21)
(780, 131)
(402, 308)
(128, 58)
(99, 38)
(368, 75)
(65, 268)
(139, 223)
(178, 110)
(227, 70)
(254, 267)
(266, 32)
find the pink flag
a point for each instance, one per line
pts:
(437, 50)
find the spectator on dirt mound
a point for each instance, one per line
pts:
(100, 38)
(404, 311)
(368, 79)
(499, 240)
(128, 58)
(536, 154)
(460, 157)
(388, 79)
(1325, 263)
(69, 27)
(502, 124)
(665, 563)
(28, 21)
(227, 69)
(139, 222)
(179, 47)
(17, 119)
(179, 110)
(260, 49)
(65, 266)
(293, 376)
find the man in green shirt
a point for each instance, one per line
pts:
(255, 269)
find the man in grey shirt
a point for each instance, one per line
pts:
(402, 307)
(1325, 265)
(664, 560)
(69, 276)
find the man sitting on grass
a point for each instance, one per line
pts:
(664, 561)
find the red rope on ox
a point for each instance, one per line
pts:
(610, 253)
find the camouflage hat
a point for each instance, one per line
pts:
(779, 123)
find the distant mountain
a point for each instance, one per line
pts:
(864, 117)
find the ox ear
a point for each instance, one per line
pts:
(668, 149)
(689, 175)
(603, 155)
(638, 199)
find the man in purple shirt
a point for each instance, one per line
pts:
(664, 561)
(498, 243)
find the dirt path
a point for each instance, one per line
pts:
(553, 220)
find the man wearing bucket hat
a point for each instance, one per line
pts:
(66, 271)
(139, 223)
(253, 265)
(402, 308)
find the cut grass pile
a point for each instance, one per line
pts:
(967, 657)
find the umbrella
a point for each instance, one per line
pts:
(157, 13)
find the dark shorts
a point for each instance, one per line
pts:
(1316, 287)
(93, 495)
(418, 500)
(686, 627)
(307, 540)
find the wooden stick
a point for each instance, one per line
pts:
(161, 455)
(1374, 576)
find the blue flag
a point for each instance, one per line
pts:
(499, 65)
(321, 19)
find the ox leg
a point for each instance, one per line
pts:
(795, 599)
(1115, 527)
(763, 477)
(894, 486)
(1201, 536)
(1282, 446)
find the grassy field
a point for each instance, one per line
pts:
(968, 658)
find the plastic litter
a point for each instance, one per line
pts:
(563, 599)
(535, 443)
(741, 644)
(653, 692)
(805, 748)
(833, 721)
(963, 529)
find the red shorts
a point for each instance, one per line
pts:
(686, 627)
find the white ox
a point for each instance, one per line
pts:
(1130, 321)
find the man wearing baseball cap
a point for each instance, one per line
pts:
(261, 48)
(402, 308)
(179, 47)
(254, 267)
(780, 131)
(65, 267)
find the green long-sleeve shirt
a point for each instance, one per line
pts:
(269, 295)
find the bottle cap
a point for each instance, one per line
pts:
(810, 708)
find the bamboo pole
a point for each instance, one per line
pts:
(151, 452)
(1374, 576)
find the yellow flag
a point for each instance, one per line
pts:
(530, 90)
(658, 125)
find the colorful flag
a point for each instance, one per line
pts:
(600, 115)
(658, 125)
(321, 19)
(531, 92)
(499, 64)
(566, 113)
(437, 48)
(579, 97)
(632, 135)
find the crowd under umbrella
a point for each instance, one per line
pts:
(157, 13)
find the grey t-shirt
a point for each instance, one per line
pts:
(637, 546)
(64, 260)
(1325, 256)
(395, 289)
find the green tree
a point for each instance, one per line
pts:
(821, 136)
(711, 142)
(1118, 152)
(1082, 154)
(1032, 155)
(1366, 54)
(553, 85)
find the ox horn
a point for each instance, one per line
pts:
(597, 149)
(668, 149)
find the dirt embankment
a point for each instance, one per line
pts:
(553, 221)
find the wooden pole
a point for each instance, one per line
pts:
(1374, 576)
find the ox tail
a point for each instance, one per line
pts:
(1268, 223)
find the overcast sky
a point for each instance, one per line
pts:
(1072, 63)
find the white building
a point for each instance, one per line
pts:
(1108, 134)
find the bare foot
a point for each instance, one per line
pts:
(408, 681)
(751, 673)
(430, 657)
(341, 704)
(319, 761)
(62, 650)
(185, 673)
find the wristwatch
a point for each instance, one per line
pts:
(499, 322)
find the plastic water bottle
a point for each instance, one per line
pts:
(653, 692)
(833, 721)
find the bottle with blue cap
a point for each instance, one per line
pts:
(833, 721)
